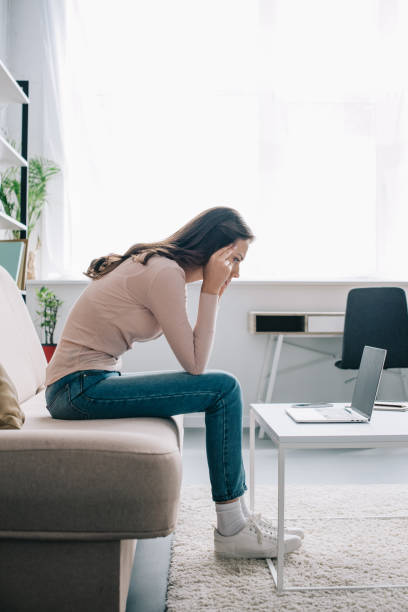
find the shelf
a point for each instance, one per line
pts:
(10, 91)
(9, 223)
(58, 281)
(9, 157)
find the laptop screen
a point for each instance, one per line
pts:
(368, 380)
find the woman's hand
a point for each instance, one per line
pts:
(217, 271)
(223, 287)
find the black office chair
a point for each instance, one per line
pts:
(377, 316)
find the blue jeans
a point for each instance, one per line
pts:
(101, 394)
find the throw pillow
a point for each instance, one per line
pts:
(11, 415)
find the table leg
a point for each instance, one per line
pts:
(272, 376)
(251, 459)
(281, 519)
(262, 382)
(404, 384)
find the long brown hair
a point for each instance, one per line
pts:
(191, 246)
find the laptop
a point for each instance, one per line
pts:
(364, 394)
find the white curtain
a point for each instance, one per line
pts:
(293, 112)
(55, 233)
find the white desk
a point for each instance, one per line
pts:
(279, 325)
(386, 429)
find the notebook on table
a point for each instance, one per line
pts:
(364, 394)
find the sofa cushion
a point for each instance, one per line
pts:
(21, 352)
(38, 417)
(89, 479)
(11, 415)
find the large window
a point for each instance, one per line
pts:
(292, 111)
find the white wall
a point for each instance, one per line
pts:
(4, 16)
(303, 375)
(24, 32)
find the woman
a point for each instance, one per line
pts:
(137, 297)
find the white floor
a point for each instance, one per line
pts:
(340, 466)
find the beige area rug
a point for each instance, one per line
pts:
(334, 552)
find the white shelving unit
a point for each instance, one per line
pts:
(9, 157)
(12, 93)
(9, 223)
(10, 90)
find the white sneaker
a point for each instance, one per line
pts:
(252, 542)
(270, 525)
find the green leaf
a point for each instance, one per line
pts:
(40, 171)
(50, 304)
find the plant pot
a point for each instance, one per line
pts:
(49, 350)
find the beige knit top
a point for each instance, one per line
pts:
(134, 303)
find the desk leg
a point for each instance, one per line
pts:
(404, 384)
(267, 358)
(281, 519)
(272, 376)
(251, 460)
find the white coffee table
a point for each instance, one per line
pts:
(386, 429)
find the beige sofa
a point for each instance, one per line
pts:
(75, 496)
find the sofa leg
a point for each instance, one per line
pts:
(65, 575)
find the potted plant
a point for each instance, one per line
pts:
(40, 171)
(49, 304)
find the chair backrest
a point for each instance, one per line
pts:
(376, 316)
(21, 352)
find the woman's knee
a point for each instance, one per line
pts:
(223, 381)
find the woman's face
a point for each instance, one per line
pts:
(237, 257)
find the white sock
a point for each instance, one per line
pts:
(230, 518)
(244, 508)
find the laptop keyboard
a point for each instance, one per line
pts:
(337, 413)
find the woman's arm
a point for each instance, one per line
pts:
(167, 302)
